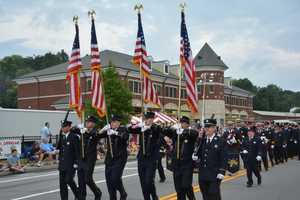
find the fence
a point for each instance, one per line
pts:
(27, 141)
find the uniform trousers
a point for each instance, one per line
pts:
(210, 189)
(183, 179)
(66, 178)
(113, 174)
(146, 171)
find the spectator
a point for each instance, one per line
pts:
(48, 150)
(14, 163)
(36, 154)
(46, 133)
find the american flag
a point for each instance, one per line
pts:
(187, 62)
(98, 100)
(140, 59)
(140, 53)
(73, 76)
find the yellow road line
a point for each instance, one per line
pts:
(173, 196)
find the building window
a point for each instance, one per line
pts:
(134, 86)
(233, 101)
(89, 84)
(166, 68)
(158, 89)
(227, 100)
(210, 89)
(183, 94)
(171, 92)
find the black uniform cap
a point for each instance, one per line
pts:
(91, 119)
(210, 122)
(116, 118)
(149, 115)
(185, 119)
(66, 123)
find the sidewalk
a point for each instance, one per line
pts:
(50, 167)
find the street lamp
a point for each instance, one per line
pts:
(205, 78)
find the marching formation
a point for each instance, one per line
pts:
(190, 147)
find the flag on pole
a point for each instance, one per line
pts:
(98, 100)
(140, 59)
(73, 76)
(187, 62)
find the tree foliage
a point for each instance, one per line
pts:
(271, 97)
(13, 66)
(118, 97)
(245, 84)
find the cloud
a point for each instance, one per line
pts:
(247, 53)
(39, 33)
(251, 41)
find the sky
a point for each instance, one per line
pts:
(257, 39)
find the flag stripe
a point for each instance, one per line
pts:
(73, 76)
(98, 100)
(140, 59)
(187, 62)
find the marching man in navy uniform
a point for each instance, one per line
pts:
(116, 157)
(251, 148)
(182, 163)
(212, 158)
(69, 155)
(148, 155)
(262, 133)
(86, 167)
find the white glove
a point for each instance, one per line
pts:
(114, 132)
(105, 128)
(179, 131)
(75, 166)
(245, 152)
(284, 146)
(144, 128)
(110, 132)
(295, 141)
(272, 146)
(176, 126)
(220, 176)
(83, 130)
(140, 125)
(233, 140)
(258, 158)
(80, 126)
(195, 157)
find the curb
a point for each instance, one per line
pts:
(30, 169)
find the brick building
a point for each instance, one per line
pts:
(46, 89)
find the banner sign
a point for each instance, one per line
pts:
(6, 145)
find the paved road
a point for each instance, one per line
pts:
(282, 182)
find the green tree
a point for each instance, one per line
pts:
(245, 84)
(117, 95)
(15, 65)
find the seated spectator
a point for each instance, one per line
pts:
(36, 154)
(48, 150)
(14, 163)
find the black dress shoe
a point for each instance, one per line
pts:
(249, 184)
(259, 181)
(123, 197)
